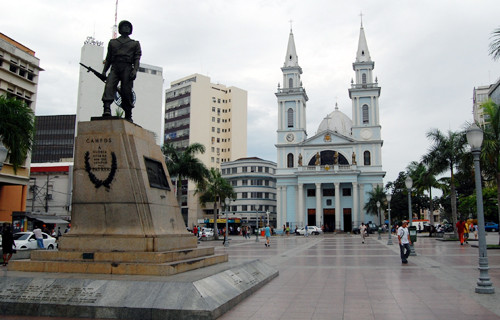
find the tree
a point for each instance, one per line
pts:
(215, 189)
(423, 180)
(376, 194)
(445, 154)
(495, 44)
(490, 153)
(17, 129)
(183, 164)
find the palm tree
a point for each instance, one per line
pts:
(490, 152)
(495, 44)
(445, 154)
(17, 129)
(423, 180)
(376, 195)
(184, 165)
(215, 189)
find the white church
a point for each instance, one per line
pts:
(324, 179)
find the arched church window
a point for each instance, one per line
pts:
(363, 78)
(290, 83)
(289, 160)
(290, 118)
(367, 158)
(366, 118)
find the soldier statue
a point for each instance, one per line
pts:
(123, 57)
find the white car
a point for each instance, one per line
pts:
(207, 232)
(310, 229)
(27, 241)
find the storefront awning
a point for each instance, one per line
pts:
(48, 219)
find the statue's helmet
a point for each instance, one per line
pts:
(122, 23)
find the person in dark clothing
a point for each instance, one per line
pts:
(123, 57)
(7, 243)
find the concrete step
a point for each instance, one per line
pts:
(109, 267)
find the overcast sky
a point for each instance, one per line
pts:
(428, 54)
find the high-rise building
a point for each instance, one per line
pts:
(480, 96)
(54, 138)
(319, 181)
(19, 71)
(214, 115)
(148, 88)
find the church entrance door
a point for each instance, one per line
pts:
(347, 220)
(311, 217)
(329, 219)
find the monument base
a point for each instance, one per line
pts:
(130, 263)
(207, 294)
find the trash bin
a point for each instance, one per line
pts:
(413, 233)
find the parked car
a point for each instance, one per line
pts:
(491, 226)
(310, 229)
(371, 227)
(27, 241)
(207, 232)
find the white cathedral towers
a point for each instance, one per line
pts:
(319, 179)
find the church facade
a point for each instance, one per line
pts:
(324, 180)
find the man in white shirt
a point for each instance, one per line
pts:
(362, 231)
(404, 242)
(39, 237)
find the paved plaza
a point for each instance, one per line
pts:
(337, 277)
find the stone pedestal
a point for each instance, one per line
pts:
(125, 217)
(123, 198)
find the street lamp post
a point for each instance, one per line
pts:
(227, 201)
(475, 140)
(389, 197)
(409, 184)
(257, 226)
(380, 222)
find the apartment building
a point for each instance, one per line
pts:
(197, 110)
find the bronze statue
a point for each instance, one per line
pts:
(300, 159)
(123, 57)
(317, 159)
(336, 158)
(353, 158)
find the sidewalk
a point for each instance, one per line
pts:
(338, 277)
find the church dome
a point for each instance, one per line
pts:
(336, 121)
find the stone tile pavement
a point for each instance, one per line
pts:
(338, 277)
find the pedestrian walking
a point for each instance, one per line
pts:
(461, 230)
(306, 233)
(362, 232)
(404, 242)
(268, 236)
(7, 243)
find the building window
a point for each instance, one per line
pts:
(244, 207)
(363, 78)
(365, 114)
(244, 195)
(290, 83)
(311, 192)
(289, 160)
(329, 202)
(243, 169)
(290, 118)
(346, 192)
(328, 192)
(234, 170)
(366, 157)
(244, 182)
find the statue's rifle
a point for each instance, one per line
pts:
(94, 71)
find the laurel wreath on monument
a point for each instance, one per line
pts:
(96, 181)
